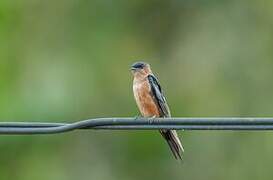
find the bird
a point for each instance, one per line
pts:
(152, 103)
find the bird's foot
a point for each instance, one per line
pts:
(137, 117)
(151, 119)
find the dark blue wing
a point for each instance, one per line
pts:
(170, 135)
(158, 96)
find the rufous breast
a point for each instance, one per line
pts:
(144, 98)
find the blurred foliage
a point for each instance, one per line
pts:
(69, 60)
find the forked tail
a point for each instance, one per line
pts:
(174, 142)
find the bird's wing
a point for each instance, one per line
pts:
(158, 96)
(170, 135)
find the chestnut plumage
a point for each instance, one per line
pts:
(152, 103)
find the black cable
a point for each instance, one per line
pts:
(215, 123)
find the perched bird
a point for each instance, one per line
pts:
(152, 103)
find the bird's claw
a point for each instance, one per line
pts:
(151, 119)
(137, 117)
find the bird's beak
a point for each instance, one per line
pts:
(133, 68)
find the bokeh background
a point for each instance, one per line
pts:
(68, 60)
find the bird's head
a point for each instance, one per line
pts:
(140, 69)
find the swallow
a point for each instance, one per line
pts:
(152, 103)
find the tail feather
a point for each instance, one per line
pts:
(174, 143)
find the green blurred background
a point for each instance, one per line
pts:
(68, 60)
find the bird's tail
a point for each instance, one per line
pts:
(174, 142)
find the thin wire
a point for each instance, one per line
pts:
(214, 123)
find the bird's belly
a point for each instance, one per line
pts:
(145, 101)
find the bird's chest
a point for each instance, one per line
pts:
(144, 99)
